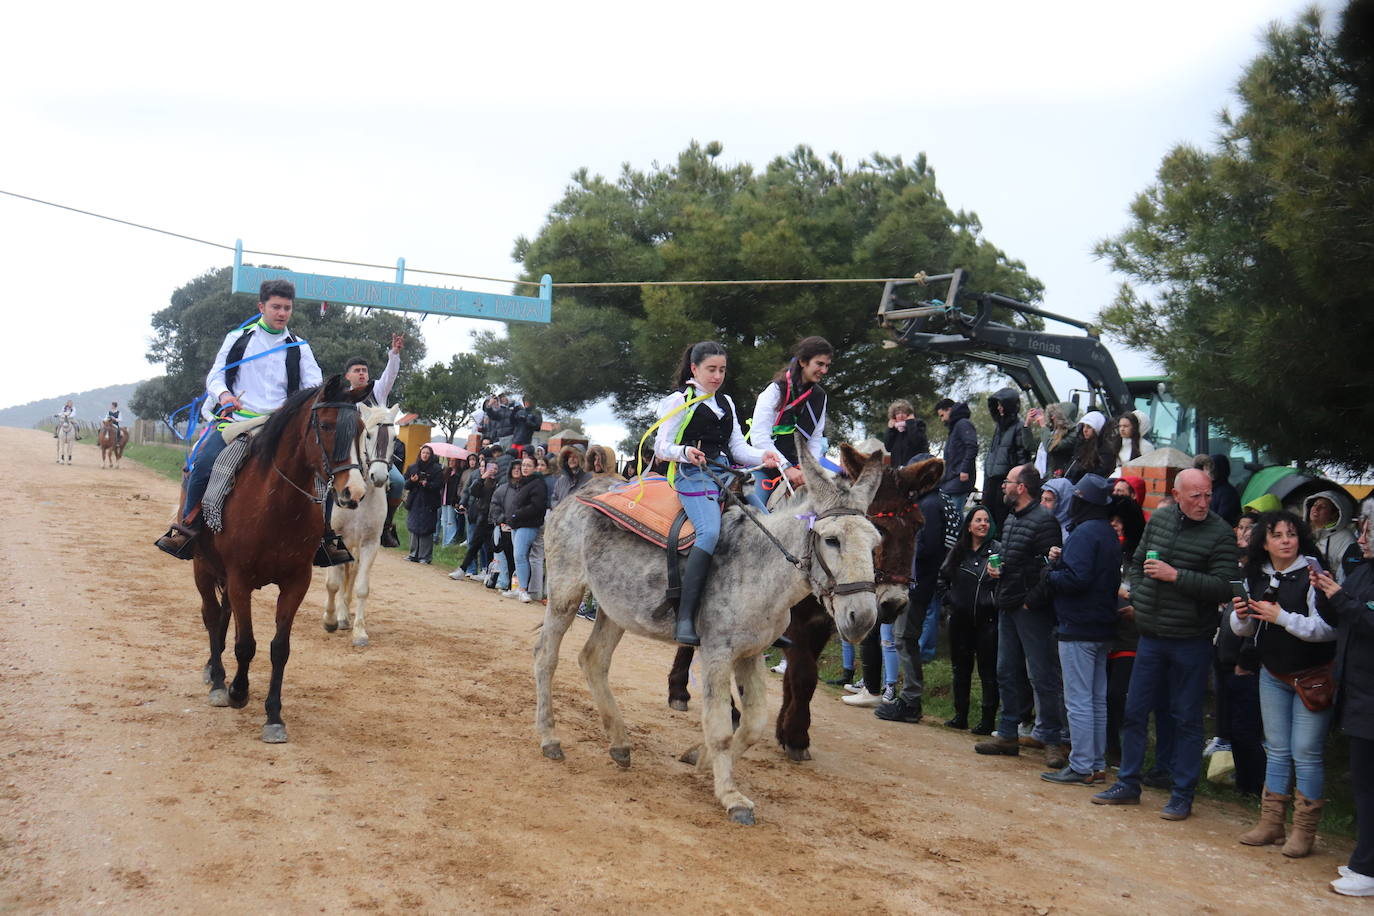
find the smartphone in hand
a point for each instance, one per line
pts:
(1239, 593)
(1315, 566)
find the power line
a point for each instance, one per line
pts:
(445, 273)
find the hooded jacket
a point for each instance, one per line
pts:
(1351, 612)
(530, 502)
(1091, 456)
(1335, 540)
(422, 503)
(1085, 579)
(1053, 446)
(961, 452)
(569, 482)
(1005, 451)
(1225, 499)
(1063, 499)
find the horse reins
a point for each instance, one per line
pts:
(345, 432)
(882, 576)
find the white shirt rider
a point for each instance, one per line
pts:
(261, 383)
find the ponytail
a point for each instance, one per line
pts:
(692, 356)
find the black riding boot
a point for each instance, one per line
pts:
(693, 582)
(389, 537)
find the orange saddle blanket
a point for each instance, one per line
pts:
(647, 511)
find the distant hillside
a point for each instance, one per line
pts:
(90, 406)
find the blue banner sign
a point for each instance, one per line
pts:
(399, 296)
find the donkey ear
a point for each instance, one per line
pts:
(868, 481)
(852, 460)
(822, 487)
(921, 476)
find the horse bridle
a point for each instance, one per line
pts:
(345, 432)
(832, 587)
(882, 576)
(379, 455)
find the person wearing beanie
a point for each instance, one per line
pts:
(1093, 455)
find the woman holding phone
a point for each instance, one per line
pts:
(1296, 648)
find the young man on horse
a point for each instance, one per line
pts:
(357, 373)
(696, 429)
(113, 416)
(794, 401)
(256, 370)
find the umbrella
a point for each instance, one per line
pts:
(447, 450)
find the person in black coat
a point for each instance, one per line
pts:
(1225, 499)
(525, 519)
(1349, 607)
(970, 595)
(424, 483)
(961, 450)
(906, 434)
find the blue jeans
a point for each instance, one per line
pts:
(930, 631)
(448, 524)
(701, 501)
(1293, 737)
(1025, 640)
(1184, 665)
(890, 660)
(199, 478)
(1085, 697)
(395, 483)
(521, 539)
(847, 655)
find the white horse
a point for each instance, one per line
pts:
(361, 530)
(66, 434)
(746, 605)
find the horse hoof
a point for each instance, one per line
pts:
(742, 815)
(621, 755)
(360, 642)
(679, 705)
(330, 627)
(238, 701)
(218, 697)
(798, 754)
(276, 734)
(553, 751)
(345, 625)
(689, 756)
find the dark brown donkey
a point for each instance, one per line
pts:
(893, 510)
(273, 522)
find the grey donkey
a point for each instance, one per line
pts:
(746, 605)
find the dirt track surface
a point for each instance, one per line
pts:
(413, 780)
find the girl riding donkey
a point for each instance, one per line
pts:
(256, 369)
(698, 430)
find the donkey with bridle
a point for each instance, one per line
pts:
(272, 524)
(361, 530)
(746, 605)
(895, 514)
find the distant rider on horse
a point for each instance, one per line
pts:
(257, 385)
(113, 417)
(698, 428)
(68, 414)
(357, 373)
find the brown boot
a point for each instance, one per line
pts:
(1004, 746)
(1306, 815)
(179, 541)
(1273, 813)
(1056, 756)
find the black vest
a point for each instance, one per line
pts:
(240, 346)
(1280, 651)
(804, 415)
(705, 430)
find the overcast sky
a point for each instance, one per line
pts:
(440, 133)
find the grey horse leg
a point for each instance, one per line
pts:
(595, 660)
(754, 714)
(718, 732)
(558, 616)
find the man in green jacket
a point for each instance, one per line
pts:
(1180, 573)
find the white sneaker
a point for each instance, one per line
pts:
(1354, 885)
(1343, 870)
(524, 596)
(865, 699)
(856, 687)
(780, 667)
(1025, 731)
(458, 575)
(509, 593)
(476, 577)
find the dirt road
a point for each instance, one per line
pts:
(413, 780)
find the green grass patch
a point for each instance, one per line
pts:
(166, 460)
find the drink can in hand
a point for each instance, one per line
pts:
(1152, 554)
(995, 561)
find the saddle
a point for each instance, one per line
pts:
(239, 437)
(651, 511)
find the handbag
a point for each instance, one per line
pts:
(1315, 686)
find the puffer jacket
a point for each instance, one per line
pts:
(961, 452)
(1026, 542)
(1205, 555)
(1350, 612)
(1084, 583)
(531, 500)
(1005, 450)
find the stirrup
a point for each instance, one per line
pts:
(782, 642)
(332, 551)
(179, 541)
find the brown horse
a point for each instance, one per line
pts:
(112, 440)
(893, 511)
(273, 521)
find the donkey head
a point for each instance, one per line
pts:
(841, 542)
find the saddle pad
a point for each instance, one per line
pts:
(648, 512)
(238, 428)
(227, 464)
